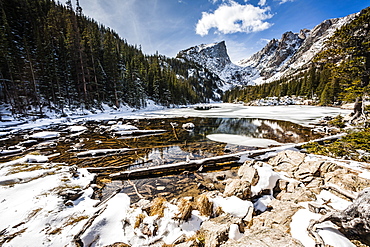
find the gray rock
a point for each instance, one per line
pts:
(216, 230)
(264, 237)
(347, 180)
(279, 217)
(308, 168)
(248, 173)
(287, 161)
(239, 188)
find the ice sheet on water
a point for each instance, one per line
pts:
(45, 135)
(243, 140)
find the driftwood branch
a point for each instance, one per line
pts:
(319, 242)
(105, 169)
(136, 190)
(354, 220)
(139, 132)
(108, 198)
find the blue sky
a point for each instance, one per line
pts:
(168, 26)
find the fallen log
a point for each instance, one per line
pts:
(99, 152)
(195, 164)
(106, 169)
(139, 132)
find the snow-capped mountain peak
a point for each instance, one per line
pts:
(215, 58)
(280, 57)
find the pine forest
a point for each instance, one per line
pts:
(54, 57)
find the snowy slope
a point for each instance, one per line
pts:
(280, 57)
(293, 51)
(214, 57)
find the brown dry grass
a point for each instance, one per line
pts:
(185, 209)
(219, 211)
(204, 206)
(157, 207)
(198, 239)
(139, 220)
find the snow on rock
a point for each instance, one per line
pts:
(188, 126)
(45, 135)
(267, 179)
(327, 230)
(232, 205)
(234, 232)
(262, 203)
(334, 201)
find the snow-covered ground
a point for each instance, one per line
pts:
(35, 208)
(37, 203)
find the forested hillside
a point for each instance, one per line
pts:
(338, 74)
(53, 56)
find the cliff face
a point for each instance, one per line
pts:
(215, 58)
(293, 51)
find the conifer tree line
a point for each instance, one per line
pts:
(338, 74)
(51, 55)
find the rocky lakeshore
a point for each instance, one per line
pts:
(263, 203)
(271, 199)
(270, 204)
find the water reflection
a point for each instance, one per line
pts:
(174, 145)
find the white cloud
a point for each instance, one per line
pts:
(262, 2)
(285, 1)
(234, 17)
(264, 41)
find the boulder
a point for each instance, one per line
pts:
(300, 194)
(308, 168)
(279, 217)
(248, 173)
(216, 231)
(239, 188)
(315, 185)
(287, 161)
(264, 237)
(118, 244)
(347, 180)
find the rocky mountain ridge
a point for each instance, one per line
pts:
(215, 58)
(279, 58)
